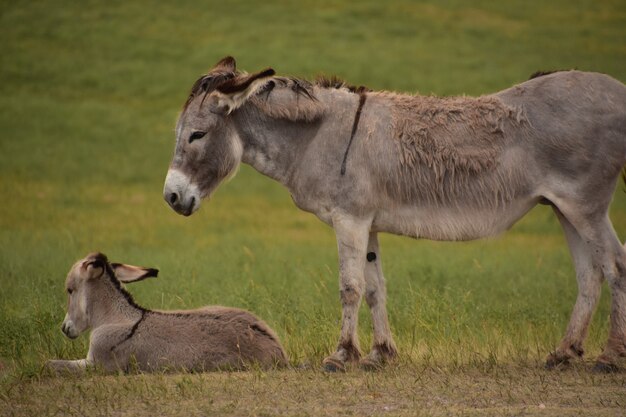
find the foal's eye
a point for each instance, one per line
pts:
(70, 291)
(196, 135)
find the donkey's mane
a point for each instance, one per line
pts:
(118, 286)
(307, 107)
(110, 273)
(541, 73)
(335, 82)
(208, 83)
(265, 99)
(102, 259)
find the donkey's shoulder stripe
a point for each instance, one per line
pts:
(355, 125)
(132, 330)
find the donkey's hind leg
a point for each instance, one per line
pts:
(614, 270)
(589, 278)
(383, 347)
(609, 256)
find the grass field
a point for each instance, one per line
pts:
(89, 96)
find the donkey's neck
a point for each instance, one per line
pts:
(113, 305)
(271, 145)
(277, 132)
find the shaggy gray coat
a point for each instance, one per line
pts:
(426, 167)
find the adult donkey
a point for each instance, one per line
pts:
(437, 168)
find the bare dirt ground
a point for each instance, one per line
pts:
(397, 391)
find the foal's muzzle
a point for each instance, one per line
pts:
(67, 330)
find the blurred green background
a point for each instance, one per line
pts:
(89, 95)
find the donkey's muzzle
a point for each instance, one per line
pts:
(67, 331)
(181, 195)
(177, 204)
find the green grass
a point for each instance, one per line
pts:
(89, 96)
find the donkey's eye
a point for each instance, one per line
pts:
(70, 291)
(196, 135)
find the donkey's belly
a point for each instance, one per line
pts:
(444, 223)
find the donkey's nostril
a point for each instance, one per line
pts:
(173, 198)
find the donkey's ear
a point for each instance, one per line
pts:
(227, 64)
(95, 264)
(233, 93)
(130, 273)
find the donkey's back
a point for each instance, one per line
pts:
(204, 339)
(574, 138)
(574, 113)
(464, 168)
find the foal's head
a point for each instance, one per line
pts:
(94, 281)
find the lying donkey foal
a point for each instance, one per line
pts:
(123, 332)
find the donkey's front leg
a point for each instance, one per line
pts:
(63, 366)
(383, 348)
(352, 236)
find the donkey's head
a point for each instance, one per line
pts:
(93, 285)
(208, 148)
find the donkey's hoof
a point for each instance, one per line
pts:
(557, 360)
(371, 364)
(552, 364)
(378, 358)
(333, 365)
(605, 368)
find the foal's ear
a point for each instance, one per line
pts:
(95, 264)
(130, 273)
(233, 93)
